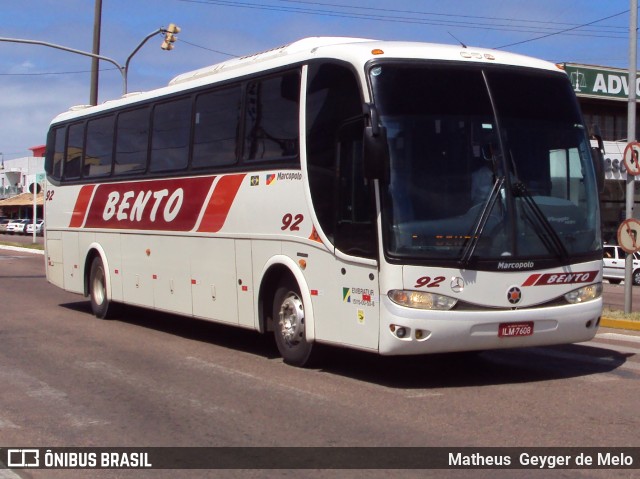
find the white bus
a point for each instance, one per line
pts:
(394, 197)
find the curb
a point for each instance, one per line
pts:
(22, 250)
(620, 324)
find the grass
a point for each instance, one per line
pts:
(619, 314)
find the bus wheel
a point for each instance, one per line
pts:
(100, 305)
(289, 325)
(636, 277)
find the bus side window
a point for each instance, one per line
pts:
(271, 118)
(217, 119)
(99, 149)
(132, 141)
(75, 150)
(170, 135)
(55, 153)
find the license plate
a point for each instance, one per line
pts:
(511, 330)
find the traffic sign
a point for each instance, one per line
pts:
(629, 235)
(631, 158)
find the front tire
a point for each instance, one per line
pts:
(100, 305)
(289, 325)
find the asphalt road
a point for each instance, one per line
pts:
(154, 379)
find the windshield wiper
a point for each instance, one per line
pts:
(539, 221)
(481, 222)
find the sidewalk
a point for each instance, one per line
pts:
(23, 250)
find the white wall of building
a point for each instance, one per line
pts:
(16, 175)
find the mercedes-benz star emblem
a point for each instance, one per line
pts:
(457, 284)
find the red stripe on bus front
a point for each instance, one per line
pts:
(220, 203)
(82, 203)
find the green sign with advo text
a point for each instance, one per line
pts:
(606, 83)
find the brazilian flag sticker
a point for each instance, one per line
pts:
(346, 295)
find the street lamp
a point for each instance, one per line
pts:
(169, 32)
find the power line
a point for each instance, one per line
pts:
(182, 40)
(597, 32)
(563, 31)
(438, 14)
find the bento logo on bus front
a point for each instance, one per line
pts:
(560, 278)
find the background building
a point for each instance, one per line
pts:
(16, 177)
(603, 95)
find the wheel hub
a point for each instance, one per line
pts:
(291, 320)
(98, 289)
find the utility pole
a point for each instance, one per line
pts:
(95, 62)
(631, 137)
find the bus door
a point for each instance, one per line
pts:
(355, 243)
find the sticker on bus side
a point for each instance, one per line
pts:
(168, 205)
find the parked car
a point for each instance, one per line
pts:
(39, 228)
(15, 225)
(3, 225)
(613, 265)
(20, 227)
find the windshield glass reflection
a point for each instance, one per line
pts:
(457, 134)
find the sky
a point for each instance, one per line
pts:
(39, 82)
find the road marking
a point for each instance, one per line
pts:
(56, 400)
(613, 347)
(8, 474)
(8, 424)
(202, 364)
(620, 337)
(584, 358)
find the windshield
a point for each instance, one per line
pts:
(484, 164)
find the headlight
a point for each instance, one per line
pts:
(420, 300)
(586, 293)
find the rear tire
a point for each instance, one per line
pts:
(289, 325)
(100, 305)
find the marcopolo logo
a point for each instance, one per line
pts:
(290, 176)
(516, 265)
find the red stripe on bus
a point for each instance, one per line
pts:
(82, 203)
(220, 203)
(531, 280)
